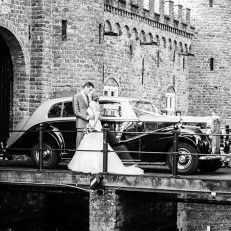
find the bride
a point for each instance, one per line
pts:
(89, 158)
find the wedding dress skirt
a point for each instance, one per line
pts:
(90, 161)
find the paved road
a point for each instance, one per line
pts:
(221, 174)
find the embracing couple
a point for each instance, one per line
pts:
(88, 157)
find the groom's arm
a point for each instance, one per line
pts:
(76, 108)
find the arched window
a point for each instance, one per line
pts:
(164, 42)
(128, 34)
(143, 36)
(186, 48)
(181, 47)
(135, 34)
(175, 45)
(158, 40)
(150, 37)
(107, 26)
(170, 44)
(170, 101)
(111, 88)
(118, 29)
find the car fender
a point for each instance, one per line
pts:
(56, 134)
(183, 139)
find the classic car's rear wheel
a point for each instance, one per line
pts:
(187, 164)
(51, 157)
(210, 165)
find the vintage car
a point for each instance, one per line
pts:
(123, 116)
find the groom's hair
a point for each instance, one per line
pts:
(88, 84)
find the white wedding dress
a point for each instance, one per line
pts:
(92, 161)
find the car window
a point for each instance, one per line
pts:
(55, 111)
(143, 107)
(110, 109)
(68, 110)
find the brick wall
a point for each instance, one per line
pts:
(203, 216)
(14, 28)
(210, 89)
(136, 67)
(131, 211)
(44, 63)
(78, 58)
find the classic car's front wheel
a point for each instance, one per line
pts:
(187, 164)
(51, 157)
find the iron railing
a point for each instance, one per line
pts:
(225, 138)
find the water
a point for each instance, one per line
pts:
(43, 212)
(61, 211)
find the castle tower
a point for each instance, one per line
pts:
(210, 70)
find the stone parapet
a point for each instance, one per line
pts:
(148, 21)
(162, 11)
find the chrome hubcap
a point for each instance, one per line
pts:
(184, 160)
(47, 153)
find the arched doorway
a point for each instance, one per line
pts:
(14, 78)
(6, 89)
(111, 88)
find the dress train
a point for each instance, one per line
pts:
(89, 157)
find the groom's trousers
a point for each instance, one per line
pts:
(79, 137)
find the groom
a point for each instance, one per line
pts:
(80, 106)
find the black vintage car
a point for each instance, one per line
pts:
(123, 115)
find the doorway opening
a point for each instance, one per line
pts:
(6, 89)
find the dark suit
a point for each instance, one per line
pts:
(80, 106)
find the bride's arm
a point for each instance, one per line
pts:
(96, 113)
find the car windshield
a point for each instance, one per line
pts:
(144, 107)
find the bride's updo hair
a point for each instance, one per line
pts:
(92, 95)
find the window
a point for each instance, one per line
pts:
(183, 63)
(158, 58)
(111, 91)
(118, 29)
(211, 64)
(61, 110)
(68, 110)
(110, 109)
(107, 26)
(164, 42)
(143, 36)
(100, 33)
(127, 31)
(170, 44)
(64, 30)
(135, 34)
(171, 101)
(143, 107)
(210, 3)
(55, 111)
(146, 5)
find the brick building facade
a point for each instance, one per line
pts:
(140, 48)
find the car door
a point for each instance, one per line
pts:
(65, 121)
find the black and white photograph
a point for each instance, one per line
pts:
(115, 115)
